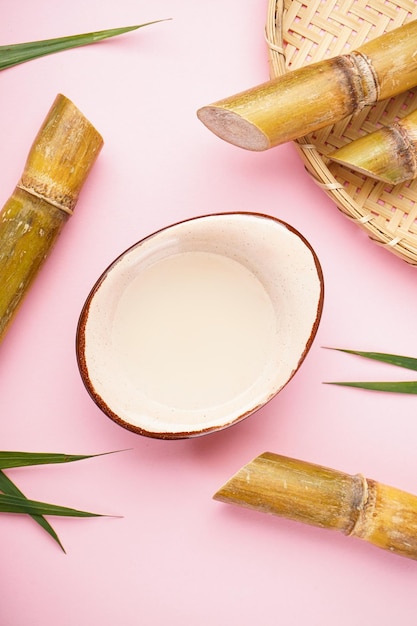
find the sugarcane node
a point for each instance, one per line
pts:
(56, 168)
(388, 154)
(316, 95)
(319, 496)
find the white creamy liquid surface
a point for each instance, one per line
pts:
(194, 330)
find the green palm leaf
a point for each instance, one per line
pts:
(20, 53)
(9, 488)
(12, 500)
(409, 387)
(23, 459)
(392, 359)
(393, 387)
(18, 504)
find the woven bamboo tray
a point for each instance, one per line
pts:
(299, 33)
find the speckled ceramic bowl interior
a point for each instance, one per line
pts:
(200, 324)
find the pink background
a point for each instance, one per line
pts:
(175, 556)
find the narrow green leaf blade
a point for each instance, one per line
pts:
(20, 53)
(22, 459)
(409, 387)
(17, 504)
(392, 359)
(7, 486)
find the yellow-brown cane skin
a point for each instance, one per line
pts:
(316, 95)
(388, 154)
(327, 498)
(57, 166)
(277, 111)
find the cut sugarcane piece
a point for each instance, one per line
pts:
(388, 154)
(57, 166)
(317, 95)
(327, 498)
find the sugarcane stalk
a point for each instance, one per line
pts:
(305, 492)
(388, 154)
(56, 168)
(316, 95)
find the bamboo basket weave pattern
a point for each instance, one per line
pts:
(299, 33)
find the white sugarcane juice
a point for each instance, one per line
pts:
(193, 330)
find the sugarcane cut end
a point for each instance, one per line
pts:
(385, 155)
(61, 156)
(233, 128)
